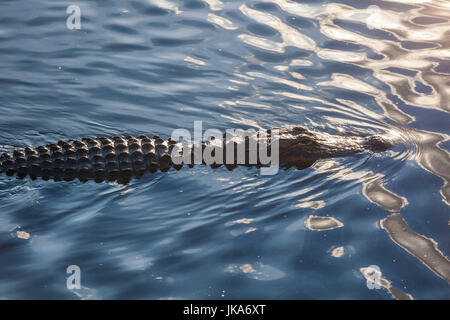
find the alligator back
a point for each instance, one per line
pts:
(103, 158)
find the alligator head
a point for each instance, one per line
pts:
(300, 147)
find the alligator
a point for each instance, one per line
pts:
(121, 158)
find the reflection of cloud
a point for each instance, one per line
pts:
(434, 159)
(291, 37)
(85, 293)
(23, 235)
(194, 61)
(341, 56)
(214, 5)
(262, 43)
(338, 252)
(376, 192)
(421, 247)
(300, 62)
(315, 205)
(166, 5)
(298, 9)
(318, 223)
(386, 284)
(244, 220)
(310, 203)
(278, 80)
(257, 271)
(221, 22)
(373, 188)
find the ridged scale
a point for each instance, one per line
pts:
(100, 158)
(104, 158)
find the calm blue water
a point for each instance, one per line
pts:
(155, 66)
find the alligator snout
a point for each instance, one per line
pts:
(377, 143)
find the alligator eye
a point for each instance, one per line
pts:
(305, 141)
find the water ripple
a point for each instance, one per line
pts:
(157, 65)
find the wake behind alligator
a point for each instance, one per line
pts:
(121, 158)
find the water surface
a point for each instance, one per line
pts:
(365, 67)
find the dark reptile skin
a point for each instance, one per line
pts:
(121, 158)
(103, 158)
